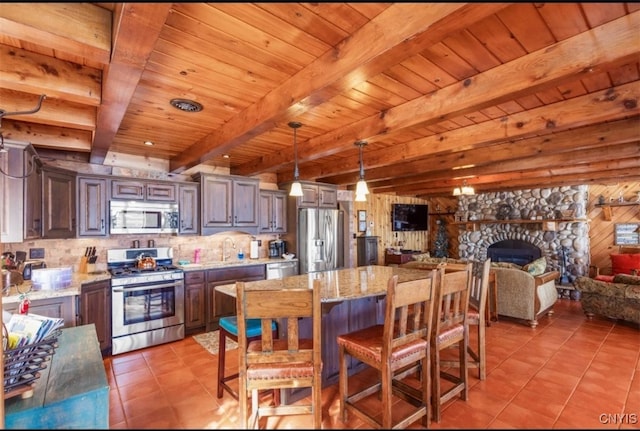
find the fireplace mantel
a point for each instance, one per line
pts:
(549, 225)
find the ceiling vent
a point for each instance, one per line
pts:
(186, 105)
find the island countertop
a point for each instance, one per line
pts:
(339, 284)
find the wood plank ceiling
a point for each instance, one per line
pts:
(504, 96)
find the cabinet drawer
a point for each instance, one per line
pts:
(191, 277)
(240, 273)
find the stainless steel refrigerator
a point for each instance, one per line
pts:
(320, 239)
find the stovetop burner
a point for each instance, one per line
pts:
(132, 271)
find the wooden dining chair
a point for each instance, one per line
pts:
(401, 342)
(228, 329)
(279, 363)
(450, 329)
(477, 319)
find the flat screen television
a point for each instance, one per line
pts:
(409, 217)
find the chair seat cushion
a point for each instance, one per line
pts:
(230, 324)
(367, 343)
(280, 371)
(456, 332)
(473, 317)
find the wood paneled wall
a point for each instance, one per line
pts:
(601, 230)
(378, 208)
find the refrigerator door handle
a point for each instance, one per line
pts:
(329, 236)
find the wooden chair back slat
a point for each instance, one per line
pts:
(270, 363)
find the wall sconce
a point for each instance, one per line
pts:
(296, 187)
(361, 187)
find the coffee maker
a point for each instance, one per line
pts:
(277, 248)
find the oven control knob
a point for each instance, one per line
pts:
(168, 276)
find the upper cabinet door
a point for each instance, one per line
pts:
(245, 202)
(92, 206)
(216, 201)
(188, 202)
(59, 204)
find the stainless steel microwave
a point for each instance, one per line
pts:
(135, 217)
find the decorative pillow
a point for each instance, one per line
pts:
(420, 257)
(624, 263)
(537, 267)
(505, 265)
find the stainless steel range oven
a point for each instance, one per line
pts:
(147, 298)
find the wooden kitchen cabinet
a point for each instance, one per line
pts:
(338, 318)
(33, 197)
(218, 304)
(195, 301)
(94, 306)
(59, 203)
(367, 247)
(93, 206)
(189, 209)
(58, 307)
(228, 201)
(20, 198)
(318, 195)
(141, 190)
(273, 211)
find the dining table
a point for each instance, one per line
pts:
(352, 299)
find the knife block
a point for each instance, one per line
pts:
(82, 268)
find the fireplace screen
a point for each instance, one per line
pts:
(513, 251)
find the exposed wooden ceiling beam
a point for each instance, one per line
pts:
(366, 53)
(137, 27)
(539, 70)
(501, 154)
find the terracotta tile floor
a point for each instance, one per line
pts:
(566, 373)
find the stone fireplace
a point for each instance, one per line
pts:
(518, 225)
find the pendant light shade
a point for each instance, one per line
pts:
(361, 187)
(296, 187)
(464, 190)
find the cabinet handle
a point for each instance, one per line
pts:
(101, 223)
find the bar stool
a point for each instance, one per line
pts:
(229, 329)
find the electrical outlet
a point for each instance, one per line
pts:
(36, 253)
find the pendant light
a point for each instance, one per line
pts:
(296, 188)
(464, 190)
(361, 187)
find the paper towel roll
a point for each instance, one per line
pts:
(254, 251)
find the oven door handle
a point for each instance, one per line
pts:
(148, 287)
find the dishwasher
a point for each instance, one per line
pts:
(282, 269)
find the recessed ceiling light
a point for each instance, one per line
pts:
(225, 156)
(149, 143)
(186, 105)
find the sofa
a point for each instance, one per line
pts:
(524, 294)
(619, 299)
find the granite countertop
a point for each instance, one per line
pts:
(340, 284)
(231, 263)
(77, 280)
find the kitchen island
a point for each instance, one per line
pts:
(352, 298)
(72, 392)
